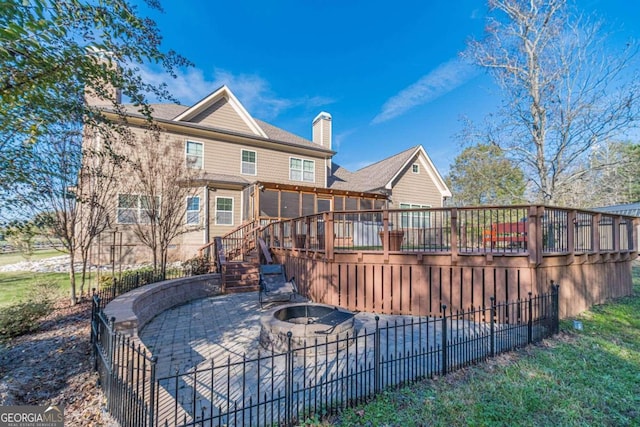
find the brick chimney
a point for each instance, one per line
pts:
(322, 130)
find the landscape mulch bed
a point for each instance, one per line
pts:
(52, 366)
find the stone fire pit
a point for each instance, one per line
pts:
(307, 323)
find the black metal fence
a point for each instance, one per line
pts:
(313, 378)
(131, 280)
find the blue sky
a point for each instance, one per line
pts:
(388, 72)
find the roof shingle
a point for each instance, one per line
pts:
(373, 177)
(276, 134)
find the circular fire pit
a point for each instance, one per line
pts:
(307, 323)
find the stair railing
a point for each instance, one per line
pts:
(220, 260)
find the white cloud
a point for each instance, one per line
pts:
(447, 77)
(188, 87)
(252, 90)
(340, 137)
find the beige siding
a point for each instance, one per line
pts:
(315, 134)
(271, 165)
(219, 157)
(416, 188)
(220, 230)
(186, 245)
(221, 115)
(322, 132)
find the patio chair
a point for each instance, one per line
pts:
(274, 285)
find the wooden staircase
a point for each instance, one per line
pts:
(238, 258)
(241, 276)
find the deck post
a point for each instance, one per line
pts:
(454, 236)
(328, 234)
(534, 234)
(572, 222)
(633, 244)
(385, 234)
(595, 233)
(307, 240)
(616, 234)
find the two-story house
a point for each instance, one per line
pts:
(251, 170)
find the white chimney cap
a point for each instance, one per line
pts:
(322, 115)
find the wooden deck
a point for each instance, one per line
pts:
(444, 260)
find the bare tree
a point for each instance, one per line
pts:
(159, 182)
(563, 93)
(71, 195)
(611, 176)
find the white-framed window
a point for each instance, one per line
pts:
(224, 210)
(414, 219)
(415, 168)
(302, 170)
(194, 154)
(136, 209)
(249, 162)
(193, 210)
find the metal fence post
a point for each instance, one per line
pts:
(555, 289)
(95, 333)
(288, 390)
(376, 357)
(111, 357)
(530, 321)
(93, 316)
(113, 288)
(492, 329)
(444, 339)
(152, 391)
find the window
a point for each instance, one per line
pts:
(147, 208)
(193, 210)
(135, 209)
(194, 155)
(127, 209)
(302, 170)
(224, 211)
(414, 219)
(248, 162)
(415, 168)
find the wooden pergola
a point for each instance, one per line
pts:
(282, 201)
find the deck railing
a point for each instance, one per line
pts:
(516, 230)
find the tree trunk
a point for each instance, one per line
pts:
(163, 262)
(72, 277)
(83, 275)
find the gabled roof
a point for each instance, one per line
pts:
(279, 134)
(381, 175)
(222, 93)
(373, 177)
(179, 114)
(159, 111)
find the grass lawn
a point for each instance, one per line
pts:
(16, 257)
(579, 378)
(17, 286)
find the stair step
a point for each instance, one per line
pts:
(241, 281)
(239, 289)
(233, 267)
(246, 276)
